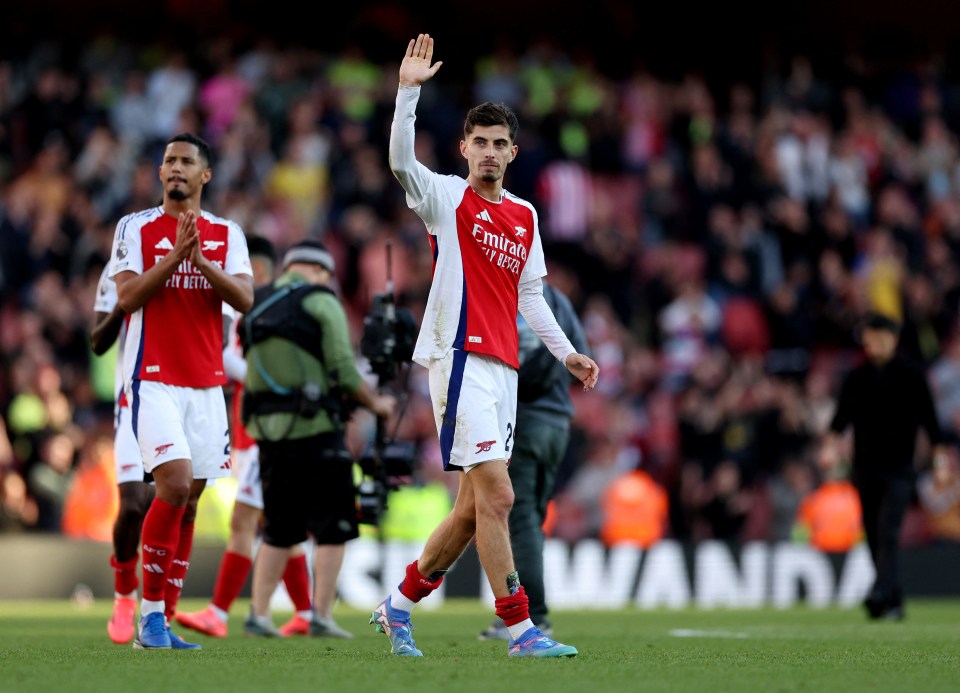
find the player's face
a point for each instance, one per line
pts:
(183, 172)
(488, 150)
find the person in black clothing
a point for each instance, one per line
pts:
(544, 411)
(885, 401)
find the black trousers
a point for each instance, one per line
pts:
(538, 452)
(884, 502)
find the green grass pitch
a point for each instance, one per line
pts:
(58, 646)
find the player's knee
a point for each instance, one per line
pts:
(175, 492)
(130, 513)
(243, 525)
(497, 501)
(134, 501)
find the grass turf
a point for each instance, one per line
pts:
(57, 646)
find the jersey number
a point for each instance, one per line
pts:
(506, 443)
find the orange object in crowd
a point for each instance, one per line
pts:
(550, 518)
(634, 508)
(92, 503)
(833, 517)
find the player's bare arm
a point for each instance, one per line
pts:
(106, 328)
(415, 69)
(134, 290)
(584, 369)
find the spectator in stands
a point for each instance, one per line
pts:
(939, 491)
(689, 149)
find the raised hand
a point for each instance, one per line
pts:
(415, 69)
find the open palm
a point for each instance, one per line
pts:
(416, 68)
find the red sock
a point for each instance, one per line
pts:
(513, 609)
(231, 577)
(416, 586)
(178, 570)
(125, 580)
(161, 532)
(296, 579)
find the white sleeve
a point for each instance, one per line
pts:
(238, 257)
(106, 299)
(126, 255)
(234, 364)
(414, 177)
(534, 309)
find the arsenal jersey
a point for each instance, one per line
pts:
(483, 250)
(177, 336)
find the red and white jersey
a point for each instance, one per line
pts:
(105, 302)
(177, 337)
(483, 251)
(236, 369)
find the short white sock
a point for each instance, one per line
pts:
(149, 607)
(308, 614)
(518, 629)
(398, 600)
(219, 613)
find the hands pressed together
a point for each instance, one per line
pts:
(187, 245)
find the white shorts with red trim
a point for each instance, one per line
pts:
(176, 423)
(126, 452)
(246, 470)
(475, 407)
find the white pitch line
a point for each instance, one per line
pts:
(687, 633)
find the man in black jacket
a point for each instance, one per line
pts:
(885, 401)
(544, 409)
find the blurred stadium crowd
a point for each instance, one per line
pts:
(720, 243)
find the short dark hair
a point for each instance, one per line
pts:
(876, 320)
(258, 246)
(489, 113)
(198, 142)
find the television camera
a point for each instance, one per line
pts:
(389, 335)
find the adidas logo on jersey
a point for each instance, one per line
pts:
(164, 244)
(484, 216)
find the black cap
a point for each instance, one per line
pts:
(259, 246)
(879, 321)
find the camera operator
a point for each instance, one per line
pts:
(300, 369)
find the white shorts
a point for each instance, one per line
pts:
(246, 470)
(475, 407)
(126, 452)
(177, 423)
